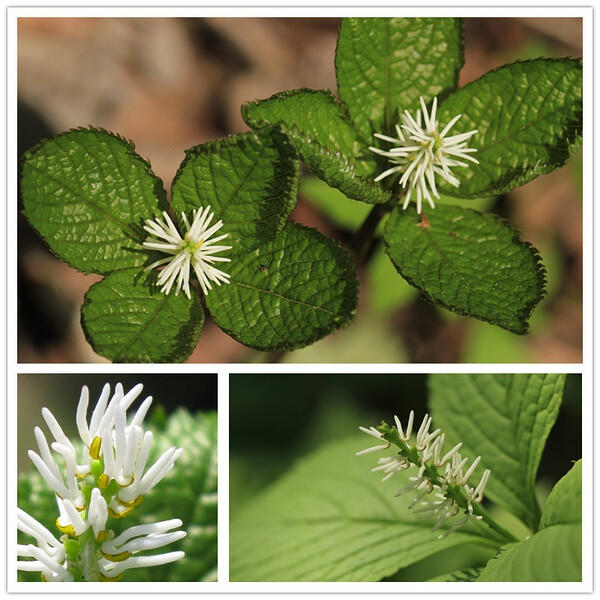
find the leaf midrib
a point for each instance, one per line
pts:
(84, 200)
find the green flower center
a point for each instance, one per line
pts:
(190, 245)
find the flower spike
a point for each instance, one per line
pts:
(438, 473)
(103, 476)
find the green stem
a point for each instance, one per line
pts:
(481, 512)
(363, 238)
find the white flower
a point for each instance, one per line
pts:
(421, 152)
(119, 553)
(373, 433)
(49, 554)
(391, 465)
(115, 449)
(195, 249)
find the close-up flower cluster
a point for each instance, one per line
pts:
(421, 152)
(438, 474)
(104, 477)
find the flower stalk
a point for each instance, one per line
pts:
(441, 474)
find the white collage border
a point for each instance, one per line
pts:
(8, 307)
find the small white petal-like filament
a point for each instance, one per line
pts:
(195, 250)
(421, 152)
(429, 446)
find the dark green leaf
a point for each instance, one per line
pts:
(250, 181)
(87, 192)
(288, 293)
(326, 141)
(126, 318)
(384, 65)
(468, 262)
(506, 420)
(529, 120)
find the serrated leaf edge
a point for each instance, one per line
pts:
(160, 192)
(523, 314)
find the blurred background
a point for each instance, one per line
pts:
(169, 84)
(60, 393)
(276, 420)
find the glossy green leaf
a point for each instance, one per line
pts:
(87, 193)
(327, 142)
(468, 262)
(331, 519)
(249, 180)
(287, 293)
(506, 420)
(383, 65)
(528, 117)
(126, 318)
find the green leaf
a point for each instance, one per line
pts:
(249, 180)
(506, 420)
(331, 519)
(384, 65)
(563, 505)
(326, 141)
(126, 318)
(470, 263)
(552, 554)
(188, 492)
(287, 293)
(87, 192)
(529, 121)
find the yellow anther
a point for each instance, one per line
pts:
(196, 246)
(68, 529)
(95, 448)
(119, 515)
(122, 485)
(116, 557)
(102, 535)
(132, 503)
(103, 577)
(103, 481)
